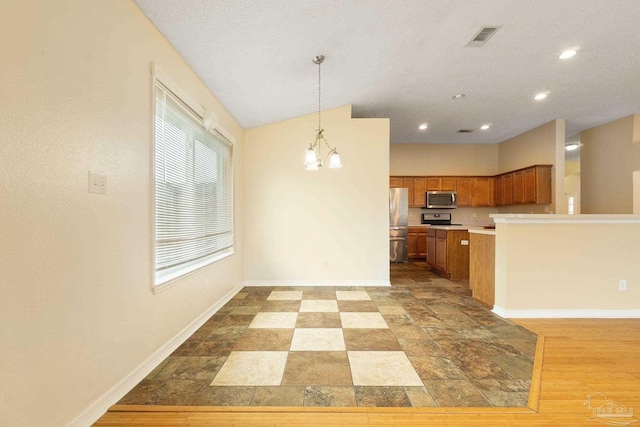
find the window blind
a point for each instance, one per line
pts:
(193, 191)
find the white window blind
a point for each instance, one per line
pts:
(193, 191)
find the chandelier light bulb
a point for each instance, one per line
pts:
(334, 161)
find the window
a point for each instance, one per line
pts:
(193, 191)
(571, 208)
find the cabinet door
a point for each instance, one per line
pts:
(431, 247)
(408, 183)
(529, 185)
(543, 184)
(518, 188)
(441, 253)
(395, 182)
(412, 245)
(419, 188)
(422, 245)
(498, 190)
(433, 183)
(448, 183)
(482, 190)
(507, 189)
(464, 186)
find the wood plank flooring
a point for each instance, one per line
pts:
(581, 357)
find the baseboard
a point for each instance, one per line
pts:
(273, 283)
(110, 398)
(566, 314)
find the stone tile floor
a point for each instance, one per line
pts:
(421, 342)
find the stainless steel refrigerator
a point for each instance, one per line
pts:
(398, 224)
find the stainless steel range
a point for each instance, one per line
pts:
(436, 218)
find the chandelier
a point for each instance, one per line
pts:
(313, 159)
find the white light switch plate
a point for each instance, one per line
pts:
(464, 242)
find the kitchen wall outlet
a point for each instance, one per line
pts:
(97, 183)
(207, 284)
(474, 214)
(325, 264)
(464, 242)
(622, 284)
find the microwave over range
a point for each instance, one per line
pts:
(441, 200)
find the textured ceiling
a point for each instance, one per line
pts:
(405, 59)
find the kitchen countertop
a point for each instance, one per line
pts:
(482, 231)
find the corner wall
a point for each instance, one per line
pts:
(325, 227)
(609, 156)
(567, 265)
(543, 145)
(77, 311)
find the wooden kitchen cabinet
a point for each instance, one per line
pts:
(532, 185)
(464, 188)
(441, 183)
(483, 191)
(431, 246)
(446, 253)
(417, 242)
(419, 188)
(395, 182)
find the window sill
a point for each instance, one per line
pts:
(178, 277)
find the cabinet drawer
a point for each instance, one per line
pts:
(441, 234)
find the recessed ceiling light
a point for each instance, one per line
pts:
(458, 96)
(571, 147)
(423, 126)
(568, 54)
(485, 127)
(540, 96)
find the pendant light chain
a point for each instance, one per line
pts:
(313, 158)
(319, 94)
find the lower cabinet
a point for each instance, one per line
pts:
(448, 253)
(417, 242)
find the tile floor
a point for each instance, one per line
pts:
(422, 342)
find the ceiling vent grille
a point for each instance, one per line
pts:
(465, 131)
(483, 36)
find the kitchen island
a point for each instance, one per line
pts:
(448, 251)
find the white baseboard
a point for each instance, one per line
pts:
(566, 314)
(100, 406)
(317, 283)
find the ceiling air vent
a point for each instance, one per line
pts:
(483, 35)
(465, 131)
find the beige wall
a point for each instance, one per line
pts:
(77, 310)
(609, 155)
(567, 266)
(571, 168)
(443, 159)
(295, 220)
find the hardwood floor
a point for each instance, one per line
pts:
(581, 357)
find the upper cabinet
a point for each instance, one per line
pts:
(441, 183)
(483, 191)
(530, 185)
(527, 186)
(464, 188)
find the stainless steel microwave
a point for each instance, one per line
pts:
(441, 200)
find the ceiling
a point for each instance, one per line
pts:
(405, 59)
